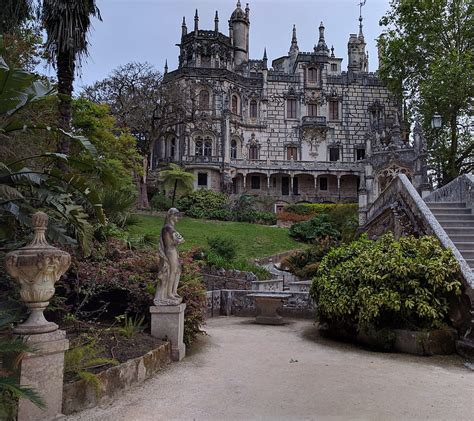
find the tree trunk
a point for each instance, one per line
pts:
(65, 70)
(143, 202)
(453, 171)
(174, 192)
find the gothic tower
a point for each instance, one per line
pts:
(239, 26)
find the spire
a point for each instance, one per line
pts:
(216, 22)
(196, 21)
(294, 42)
(265, 59)
(321, 48)
(239, 5)
(184, 28)
(166, 66)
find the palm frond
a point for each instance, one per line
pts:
(10, 384)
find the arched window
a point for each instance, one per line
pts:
(172, 147)
(312, 109)
(253, 152)
(235, 104)
(199, 149)
(253, 109)
(208, 147)
(291, 153)
(233, 149)
(312, 75)
(204, 100)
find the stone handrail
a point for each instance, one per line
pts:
(402, 188)
(459, 190)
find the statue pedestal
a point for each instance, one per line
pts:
(167, 323)
(43, 370)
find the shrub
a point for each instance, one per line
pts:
(318, 227)
(305, 264)
(292, 217)
(160, 202)
(256, 217)
(118, 204)
(223, 247)
(202, 202)
(374, 285)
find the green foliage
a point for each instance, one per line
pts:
(305, 263)
(78, 360)
(131, 325)
(386, 284)
(319, 227)
(427, 60)
(215, 260)
(160, 202)
(118, 205)
(223, 247)
(177, 179)
(204, 201)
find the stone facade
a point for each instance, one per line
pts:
(301, 131)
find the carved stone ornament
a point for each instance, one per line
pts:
(37, 267)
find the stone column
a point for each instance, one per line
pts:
(37, 267)
(167, 323)
(339, 187)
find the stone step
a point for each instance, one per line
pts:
(467, 254)
(459, 230)
(454, 217)
(463, 238)
(470, 262)
(434, 205)
(451, 211)
(456, 224)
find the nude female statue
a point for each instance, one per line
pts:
(169, 266)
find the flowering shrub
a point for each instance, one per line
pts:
(292, 217)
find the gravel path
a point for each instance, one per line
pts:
(243, 371)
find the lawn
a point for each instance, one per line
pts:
(252, 240)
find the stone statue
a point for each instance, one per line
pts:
(169, 266)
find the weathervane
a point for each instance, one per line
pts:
(361, 3)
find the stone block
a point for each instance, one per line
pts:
(43, 371)
(167, 323)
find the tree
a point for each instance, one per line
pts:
(427, 60)
(67, 23)
(134, 95)
(178, 179)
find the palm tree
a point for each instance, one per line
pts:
(177, 178)
(67, 23)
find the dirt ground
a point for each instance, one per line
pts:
(244, 371)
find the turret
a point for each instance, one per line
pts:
(321, 48)
(357, 59)
(239, 26)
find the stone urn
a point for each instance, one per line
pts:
(37, 267)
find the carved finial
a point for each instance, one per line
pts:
(247, 10)
(361, 4)
(239, 5)
(39, 222)
(294, 42)
(184, 28)
(265, 59)
(216, 22)
(332, 51)
(321, 48)
(166, 66)
(196, 21)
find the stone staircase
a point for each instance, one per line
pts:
(458, 222)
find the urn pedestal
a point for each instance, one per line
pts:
(167, 323)
(37, 267)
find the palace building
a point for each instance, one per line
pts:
(303, 129)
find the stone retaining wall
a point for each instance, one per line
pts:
(113, 382)
(217, 279)
(237, 303)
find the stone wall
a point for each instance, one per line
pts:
(237, 303)
(218, 278)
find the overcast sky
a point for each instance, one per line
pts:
(147, 30)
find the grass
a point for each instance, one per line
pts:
(252, 240)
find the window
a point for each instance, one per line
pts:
(291, 153)
(323, 183)
(202, 179)
(204, 100)
(255, 182)
(208, 148)
(172, 147)
(253, 109)
(312, 75)
(333, 67)
(199, 147)
(235, 104)
(253, 152)
(233, 149)
(312, 110)
(360, 154)
(291, 108)
(334, 154)
(333, 110)
(205, 61)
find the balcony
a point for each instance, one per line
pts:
(202, 159)
(314, 121)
